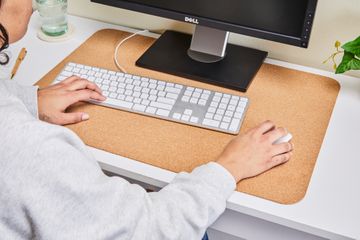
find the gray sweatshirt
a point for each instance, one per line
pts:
(51, 187)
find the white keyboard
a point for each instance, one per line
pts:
(165, 100)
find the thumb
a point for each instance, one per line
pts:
(70, 118)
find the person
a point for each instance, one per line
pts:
(51, 187)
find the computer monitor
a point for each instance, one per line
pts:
(207, 56)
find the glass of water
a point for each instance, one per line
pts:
(53, 15)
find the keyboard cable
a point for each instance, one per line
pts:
(118, 65)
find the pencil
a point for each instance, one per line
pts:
(20, 58)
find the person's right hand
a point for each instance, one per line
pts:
(253, 153)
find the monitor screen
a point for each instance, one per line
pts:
(282, 21)
(277, 16)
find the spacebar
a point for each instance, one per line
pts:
(118, 103)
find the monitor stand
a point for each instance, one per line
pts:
(178, 54)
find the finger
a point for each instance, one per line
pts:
(71, 79)
(276, 133)
(85, 95)
(279, 159)
(71, 118)
(281, 148)
(264, 127)
(83, 84)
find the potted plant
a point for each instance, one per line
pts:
(351, 56)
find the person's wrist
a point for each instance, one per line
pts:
(237, 175)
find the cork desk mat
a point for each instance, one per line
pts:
(301, 102)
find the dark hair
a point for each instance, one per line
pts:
(4, 39)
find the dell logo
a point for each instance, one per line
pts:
(191, 20)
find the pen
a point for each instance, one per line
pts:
(20, 58)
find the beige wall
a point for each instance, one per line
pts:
(335, 20)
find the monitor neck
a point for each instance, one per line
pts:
(208, 45)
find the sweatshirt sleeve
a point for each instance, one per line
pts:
(69, 197)
(27, 94)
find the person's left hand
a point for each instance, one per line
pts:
(55, 99)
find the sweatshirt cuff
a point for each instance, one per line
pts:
(29, 96)
(217, 177)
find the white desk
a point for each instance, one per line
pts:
(323, 212)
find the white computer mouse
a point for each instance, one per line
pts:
(283, 139)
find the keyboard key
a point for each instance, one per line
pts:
(188, 112)
(212, 110)
(214, 104)
(119, 103)
(136, 94)
(211, 123)
(129, 99)
(185, 99)
(209, 115)
(67, 74)
(161, 94)
(172, 90)
(188, 93)
(198, 90)
(163, 113)
(128, 92)
(172, 95)
(218, 117)
(220, 111)
(225, 100)
(161, 105)
(229, 113)
(205, 96)
(160, 87)
(150, 110)
(145, 102)
(233, 102)
(224, 125)
(139, 107)
(231, 108)
(112, 95)
(194, 119)
(222, 106)
(202, 102)
(196, 95)
(227, 119)
(234, 124)
(185, 118)
(152, 98)
(237, 115)
(177, 116)
(216, 99)
(194, 100)
(166, 100)
(137, 100)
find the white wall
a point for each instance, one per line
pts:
(335, 20)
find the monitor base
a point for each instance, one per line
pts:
(169, 55)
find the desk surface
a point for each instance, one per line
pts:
(331, 206)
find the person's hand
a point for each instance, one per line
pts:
(253, 153)
(55, 99)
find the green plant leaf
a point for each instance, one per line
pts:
(353, 47)
(349, 62)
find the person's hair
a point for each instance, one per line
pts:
(4, 40)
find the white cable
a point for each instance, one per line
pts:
(121, 68)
